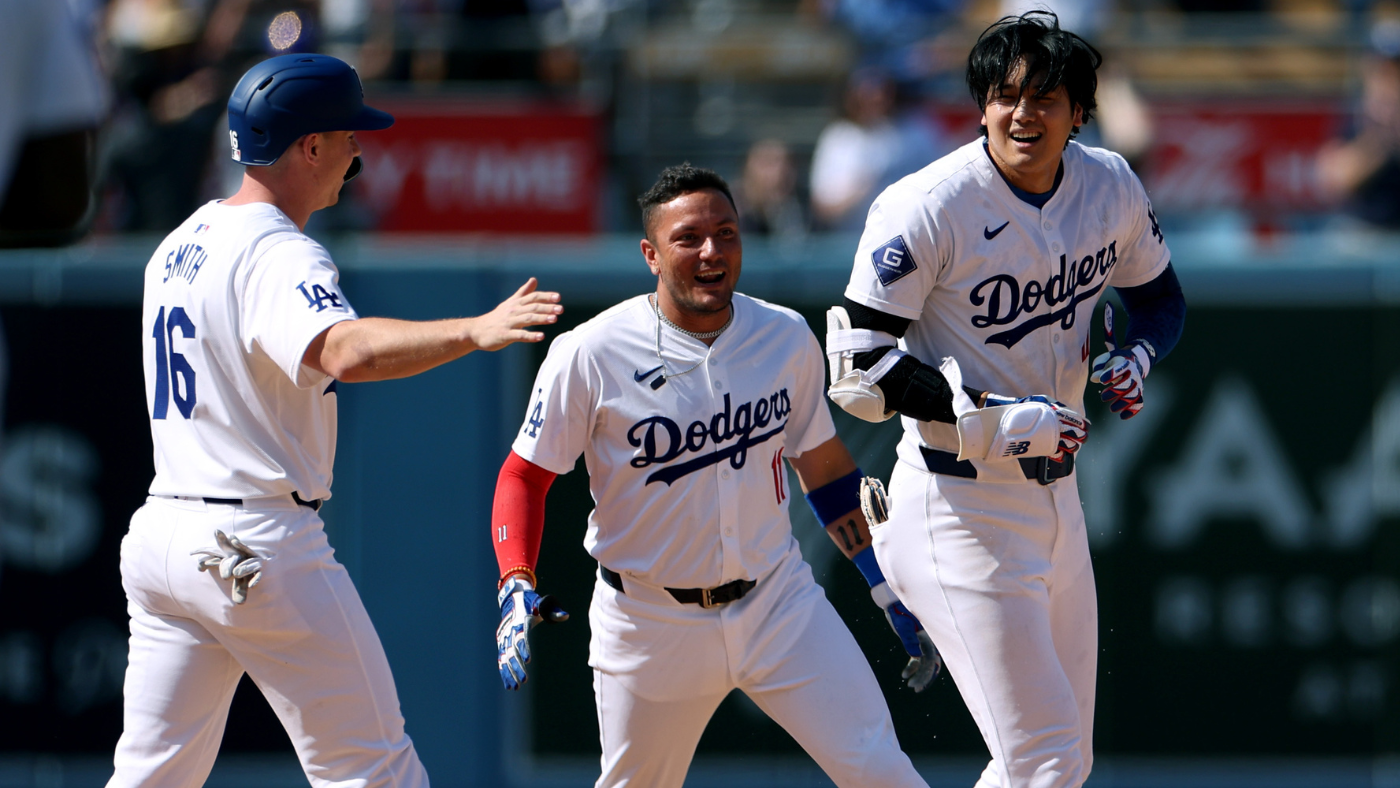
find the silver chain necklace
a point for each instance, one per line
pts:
(687, 332)
(666, 372)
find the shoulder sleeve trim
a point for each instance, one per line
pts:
(866, 299)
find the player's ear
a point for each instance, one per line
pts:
(304, 148)
(649, 254)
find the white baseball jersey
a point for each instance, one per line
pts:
(1003, 287)
(233, 297)
(687, 476)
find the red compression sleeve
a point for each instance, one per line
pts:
(517, 516)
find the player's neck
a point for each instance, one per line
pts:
(254, 190)
(693, 322)
(1037, 180)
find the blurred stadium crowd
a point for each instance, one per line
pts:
(809, 106)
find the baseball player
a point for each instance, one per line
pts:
(968, 313)
(246, 334)
(684, 403)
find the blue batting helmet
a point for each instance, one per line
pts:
(289, 96)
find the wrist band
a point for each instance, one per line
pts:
(517, 570)
(868, 566)
(1142, 351)
(836, 498)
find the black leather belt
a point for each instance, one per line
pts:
(1042, 469)
(314, 506)
(704, 597)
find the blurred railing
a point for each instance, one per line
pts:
(1227, 264)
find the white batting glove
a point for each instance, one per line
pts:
(1074, 427)
(235, 561)
(1121, 371)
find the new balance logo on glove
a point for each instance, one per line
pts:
(1016, 449)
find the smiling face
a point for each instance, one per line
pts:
(1027, 132)
(693, 248)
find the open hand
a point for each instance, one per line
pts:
(506, 323)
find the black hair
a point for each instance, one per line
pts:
(678, 180)
(1061, 56)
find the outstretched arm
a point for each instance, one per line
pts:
(377, 348)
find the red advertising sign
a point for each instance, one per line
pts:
(1262, 156)
(1208, 154)
(469, 167)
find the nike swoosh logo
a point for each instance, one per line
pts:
(641, 376)
(993, 233)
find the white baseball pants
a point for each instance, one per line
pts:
(303, 636)
(1000, 576)
(661, 669)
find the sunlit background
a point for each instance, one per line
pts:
(1244, 526)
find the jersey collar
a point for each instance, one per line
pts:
(1036, 201)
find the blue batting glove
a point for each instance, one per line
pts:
(521, 609)
(924, 660)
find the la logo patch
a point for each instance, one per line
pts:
(892, 261)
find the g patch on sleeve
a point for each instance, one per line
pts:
(892, 261)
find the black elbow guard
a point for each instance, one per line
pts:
(918, 391)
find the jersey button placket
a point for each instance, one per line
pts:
(727, 505)
(1053, 240)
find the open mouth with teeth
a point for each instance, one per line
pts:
(712, 277)
(1026, 137)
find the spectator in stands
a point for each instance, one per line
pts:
(891, 32)
(53, 97)
(1222, 6)
(767, 193)
(874, 145)
(1362, 170)
(1087, 18)
(175, 63)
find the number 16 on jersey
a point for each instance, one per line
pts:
(172, 370)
